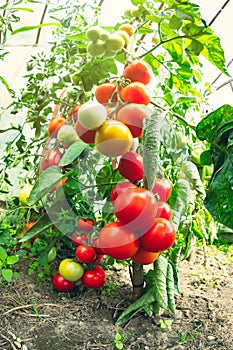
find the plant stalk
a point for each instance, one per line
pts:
(137, 281)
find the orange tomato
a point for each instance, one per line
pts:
(138, 71)
(105, 93)
(144, 257)
(133, 115)
(135, 92)
(127, 28)
(55, 125)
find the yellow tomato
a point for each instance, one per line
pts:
(25, 193)
(113, 138)
(70, 270)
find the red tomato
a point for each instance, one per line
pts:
(85, 225)
(119, 188)
(62, 284)
(94, 278)
(135, 92)
(96, 245)
(118, 242)
(163, 188)
(133, 115)
(144, 257)
(55, 125)
(106, 92)
(160, 237)
(138, 71)
(87, 136)
(98, 259)
(136, 208)
(131, 166)
(51, 157)
(29, 225)
(78, 239)
(85, 253)
(164, 211)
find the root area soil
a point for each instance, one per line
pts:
(35, 318)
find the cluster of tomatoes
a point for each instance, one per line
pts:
(86, 267)
(106, 44)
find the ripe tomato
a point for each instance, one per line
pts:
(70, 270)
(85, 253)
(87, 136)
(131, 166)
(119, 188)
(135, 92)
(136, 209)
(104, 93)
(138, 71)
(61, 284)
(96, 245)
(164, 211)
(78, 239)
(144, 257)
(118, 242)
(113, 138)
(133, 115)
(163, 188)
(73, 113)
(160, 237)
(94, 278)
(55, 125)
(98, 259)
(51, 157)
(85, 225)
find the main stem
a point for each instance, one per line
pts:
(137, 280)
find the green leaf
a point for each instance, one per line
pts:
(3, 254)
(7, 274)
(160, 281)
(209, 127)
(47, 180)
(175, 22)
(151, 146)
(12, 259)
(73, 153)
(5, 83)
(195, 47)
(191, 173)
(171, 289)
(41, 225)
(27, 28)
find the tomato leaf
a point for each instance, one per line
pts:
(171, 289)
(3, 254)
(7, 274)
(151, 146)
(191, 174)
(47, 180)
(27, 28)
(12, 259)
(41, 225)
(73, 152)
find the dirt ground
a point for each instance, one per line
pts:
(32, 318)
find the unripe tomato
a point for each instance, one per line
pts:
(119, 188)
(136, 209)
(70, 270)
(24, 194)
(133, 115)
(96, 48)
(85, 225)
(124, 35)
(164, 211)
(115, 42)
(113, 138)
(163, 188)
(92, 115)
(138, 71)
(85, 253)
(66, 134)
(93, 33)
(144, 257)
(131, 166)
(61, 284)
(55, 125)
(118, 242)
(52, 255)
(94, 278)
(51, 157)
(160, 237)
(135, 92)
(87, 136)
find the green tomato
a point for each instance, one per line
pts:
(109, 54)
(52, 254)
(181, 140)
(96, 48)
(66, 134)
(93, 33)
(196, 154)
(115, 42)
(124, 35)
(70, 270)
(105, 35)
(92, 115)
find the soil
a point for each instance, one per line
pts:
(35, 318)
